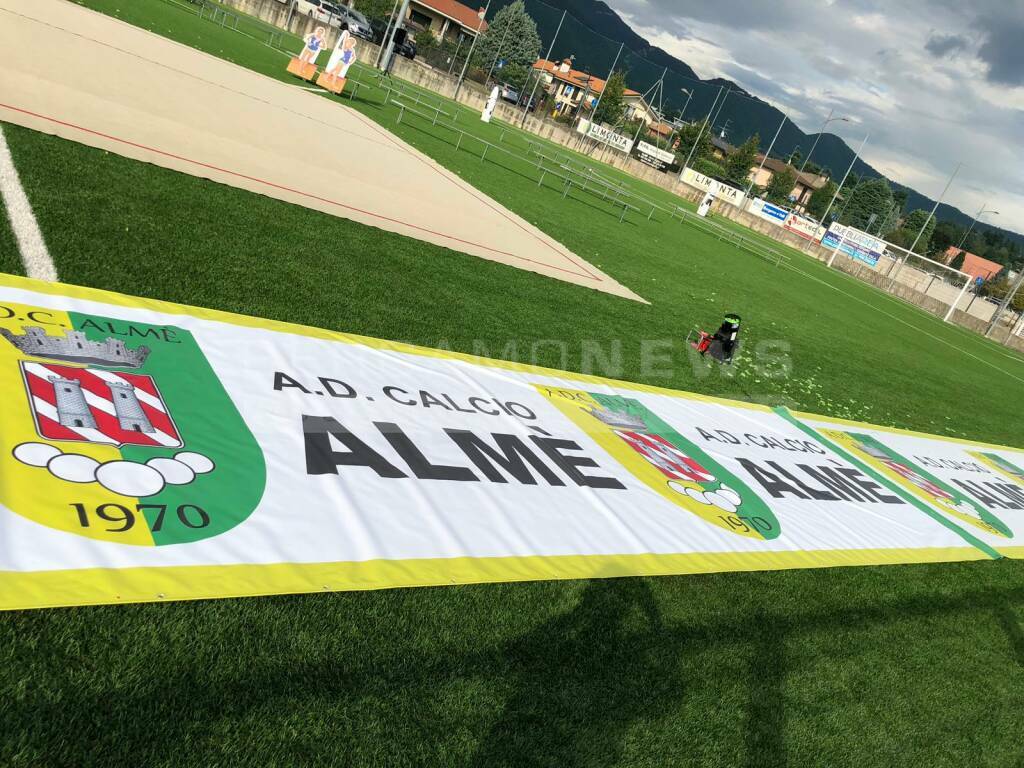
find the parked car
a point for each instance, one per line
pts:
(357, 23)
(321, 10)
(510, 93)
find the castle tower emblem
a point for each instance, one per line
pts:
(72, 410)
(130, 415)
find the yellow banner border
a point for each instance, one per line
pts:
(154, 584)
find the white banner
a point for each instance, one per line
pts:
(806, 228)
(854, 243)
(724, 192)
(150, 451)
(605, 135)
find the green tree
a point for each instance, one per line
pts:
(374, 9)
(946, 233)
(820, 199)
(612, 101)
(913, 224)
(708, 167)
(740, 162)
(687, 136)
(870, 197)
(511, 36)
(780, 186)
(515, 75)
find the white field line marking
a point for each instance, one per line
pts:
(901, 320)
(34, 255)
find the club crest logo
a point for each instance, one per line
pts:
(919, 481)
(122, 441)
(667, 462)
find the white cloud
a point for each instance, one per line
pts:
(934, 81)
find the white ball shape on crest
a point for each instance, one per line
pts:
(173, 471)
(130, 479)
(195, 461)
(73, 467)
(35, 454)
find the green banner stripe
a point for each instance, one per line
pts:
(901, 492)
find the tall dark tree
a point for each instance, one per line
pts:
(612, 102)
(872, 197)
(820, 199)
(688, 135)
(780, 186)
(739, 164)
(511, 37)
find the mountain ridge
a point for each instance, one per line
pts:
(588, 21)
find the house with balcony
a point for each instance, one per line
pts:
(571, 89)
(446, 19)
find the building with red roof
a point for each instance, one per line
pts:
(446, 18)
(568, 87)
(974, 265)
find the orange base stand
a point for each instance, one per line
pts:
(304, 69)
(330, 83)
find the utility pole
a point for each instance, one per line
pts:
(529, 100)
(978, 215)
(764, 157)
(700, 133)
(402, 13)
(482, 14)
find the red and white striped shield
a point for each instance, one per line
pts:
(96, 406)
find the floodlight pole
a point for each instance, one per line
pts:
(836, 194)
(714, 120)
(935, 207)
(497, 54)
(700, 133)
(1005, 302)
(927, 221)
(551, 48)
(610, 73)
(978, 215)
(469, 56)
(764, 159)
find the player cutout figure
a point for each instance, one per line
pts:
(343, 57)
(314, 43)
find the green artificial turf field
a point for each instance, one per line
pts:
(916, 665)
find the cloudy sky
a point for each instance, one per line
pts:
(935, 82)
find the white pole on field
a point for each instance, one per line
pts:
(959, 298)
(842, 239)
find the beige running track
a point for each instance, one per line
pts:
(78, 74)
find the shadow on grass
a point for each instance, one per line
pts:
(571, 691)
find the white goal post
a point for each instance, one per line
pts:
(903, 273)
